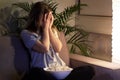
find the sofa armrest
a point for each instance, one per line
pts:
(104, 70)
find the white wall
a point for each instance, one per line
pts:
(62, 4)
(98, 7)
(96, 24)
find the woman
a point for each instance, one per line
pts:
(41, 39)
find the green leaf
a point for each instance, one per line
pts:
(24, 5)
(72, 49)
(64, 16)
(53, 5)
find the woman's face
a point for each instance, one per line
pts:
(47, 17)
(40, 20)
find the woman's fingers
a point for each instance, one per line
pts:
(52, 20)
(45, 17)
(48, 19)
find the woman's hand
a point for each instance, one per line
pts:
(48, 20)
(51, 19)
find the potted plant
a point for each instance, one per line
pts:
(75, 36)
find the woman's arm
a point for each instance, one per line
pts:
(54, 39)
(44, 44)
(48, 36)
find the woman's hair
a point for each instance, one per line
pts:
(37, 12)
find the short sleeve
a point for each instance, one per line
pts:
(28, 38)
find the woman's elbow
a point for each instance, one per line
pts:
(45, 49)
(41, 49)
(58, 49)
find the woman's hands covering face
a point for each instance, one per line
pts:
(48, 20)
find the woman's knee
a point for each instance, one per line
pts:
(88, 71)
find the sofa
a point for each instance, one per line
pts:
(14, 58)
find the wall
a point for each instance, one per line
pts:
(96, 17)
(62, 4)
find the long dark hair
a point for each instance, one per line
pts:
(37, 11)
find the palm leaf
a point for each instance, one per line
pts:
(3, 30)
(67, 30)
(23, 18)
(24, 5)
(73, 49)
(79, 40)
(63, 17)
(78, 37)
(53, 6)
(84, 49)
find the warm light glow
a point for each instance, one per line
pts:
(116, 31)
